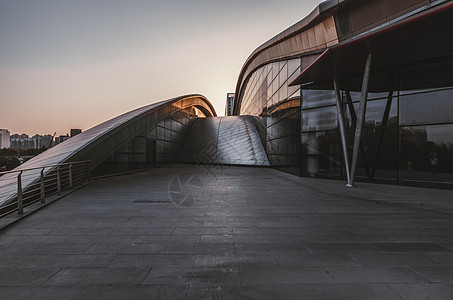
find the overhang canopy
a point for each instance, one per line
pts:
(422, 39)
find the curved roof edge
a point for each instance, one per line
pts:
(320, 12)
(91, 140)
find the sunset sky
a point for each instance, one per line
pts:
(74, 64)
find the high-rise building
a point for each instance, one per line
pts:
(75, 132)
(229, 104)
(23, 141)
(4, 138)
(61, 139)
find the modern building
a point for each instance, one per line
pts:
(4, 138)
(229, 104)
(75, 132)
(43, 141)
(355, 91)
(61, 139)
(23, 141)
(358, 90)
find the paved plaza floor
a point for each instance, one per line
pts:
(186, 232)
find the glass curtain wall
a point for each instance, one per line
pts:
(268, 95)
(162, 142)
(413, 146)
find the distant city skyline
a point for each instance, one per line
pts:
(75, 64)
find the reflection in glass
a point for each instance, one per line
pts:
(316, 98)
(321, 154)
(423, 108)
(427, 153)
(319, 119)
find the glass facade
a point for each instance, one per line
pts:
(410, 145)
(161, 141)
(268, 95)
(426, 137)
(407, 137)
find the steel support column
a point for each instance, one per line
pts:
(361, 117)
(354, 125)
(342, 130)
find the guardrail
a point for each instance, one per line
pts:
(23, 187)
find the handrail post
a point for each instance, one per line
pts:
(43, 192)
(58, 181)
(20, 202)
(80, 173)
(70, 176)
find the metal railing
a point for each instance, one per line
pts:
(23, 187)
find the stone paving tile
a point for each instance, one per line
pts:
(81, 231)
(254, 234)
(283, 276)
(133, 292)
(28, 276)
(395, 259)
(202, 231)
(34, 247)
(107, 239)
(98, 276)
(125, 248)
(166, 239)
(427, 291)
(291, 291)
(40, 292)
(427, 238)
(212, 249)
(360, 238)
(218, 239)
(140, 260)
(436, 273)
(442, 258)
(30, 231)
(142, 231)
(341, 247)
(26, 261)
(314, 260)
(374, 274)
(251, 249)
(17, 241)
(448, 245)
(219, 276)
(410, 247)
(256, 260)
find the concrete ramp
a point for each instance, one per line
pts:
(225, 140)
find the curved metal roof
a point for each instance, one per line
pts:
(99, 141)
(292, 42)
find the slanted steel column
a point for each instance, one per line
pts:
(43, 192)
(20, 201)
(342, 130)
(361, 117)
(354, 125)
